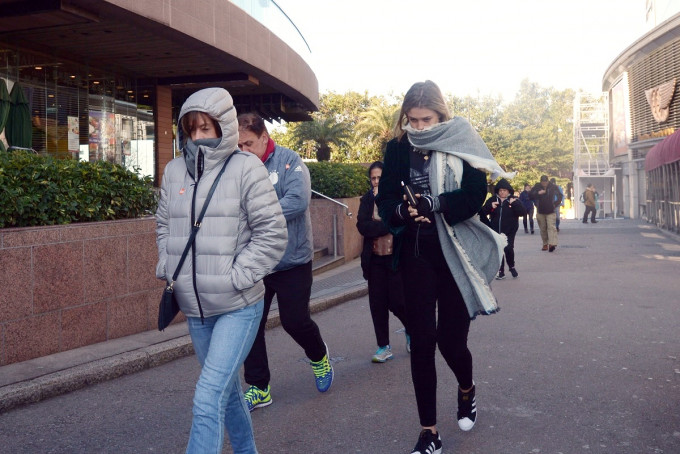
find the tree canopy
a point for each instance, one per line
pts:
(531, 134)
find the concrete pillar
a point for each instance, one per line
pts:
(163, 144)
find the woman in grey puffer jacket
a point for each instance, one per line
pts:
(242, 237)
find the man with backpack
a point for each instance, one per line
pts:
(589, 197)
(547, 197)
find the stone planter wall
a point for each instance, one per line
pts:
(64, 287)
(349, 240)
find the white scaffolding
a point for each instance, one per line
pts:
(591, 153)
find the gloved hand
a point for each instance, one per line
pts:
(425, 205)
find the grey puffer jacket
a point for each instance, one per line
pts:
(243, 234)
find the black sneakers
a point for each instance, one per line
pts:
(500, 275)
(514, 272)
(467, 409)
(428, 443)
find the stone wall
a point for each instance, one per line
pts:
(349, 241)
(68, 286)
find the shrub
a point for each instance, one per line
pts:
(41, 190)
(337, 180)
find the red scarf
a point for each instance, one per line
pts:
(270, 149)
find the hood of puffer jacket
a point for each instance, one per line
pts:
(503, 184)
(217, 103)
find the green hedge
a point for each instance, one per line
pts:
(41, 190)
(337, 180)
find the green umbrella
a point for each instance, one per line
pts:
(19, 132)
(4, 109)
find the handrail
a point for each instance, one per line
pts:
(12, 148)
(347, 212)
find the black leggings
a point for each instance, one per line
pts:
(530, 215)
(385, 295)
(509, 252)
(430, 290)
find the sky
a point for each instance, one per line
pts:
(471, 47)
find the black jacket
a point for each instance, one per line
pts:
(503, 218)
(369, 228)
(546, 203)
(456, 206)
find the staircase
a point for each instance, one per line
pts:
(322, 261)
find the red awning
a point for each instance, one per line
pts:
(664, 152)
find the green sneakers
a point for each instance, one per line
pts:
(256, 398)
(323, 373)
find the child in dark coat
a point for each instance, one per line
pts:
(501, 212)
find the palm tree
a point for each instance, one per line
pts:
(377, 123)
(324, 132)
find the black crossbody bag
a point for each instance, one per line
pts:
(168, 307)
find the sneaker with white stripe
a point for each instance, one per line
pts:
(428, 443)
(467, 409)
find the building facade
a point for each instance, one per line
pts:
(104, 79)
(642, 84)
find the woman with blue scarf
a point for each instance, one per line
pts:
(447, 256)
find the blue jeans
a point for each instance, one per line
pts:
(221, 344)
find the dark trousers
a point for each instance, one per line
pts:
(292, 288)
(509, 250)
(430, 290)
(530, 215)
(589, 210)
(385, 295)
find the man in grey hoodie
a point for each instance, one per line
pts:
(291, 280)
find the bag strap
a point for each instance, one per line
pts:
(197, 224)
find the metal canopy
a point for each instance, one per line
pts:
(103, 36)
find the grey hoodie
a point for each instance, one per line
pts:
(243, 234)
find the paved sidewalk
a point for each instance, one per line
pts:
(40, 378)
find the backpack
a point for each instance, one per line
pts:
(583, 197)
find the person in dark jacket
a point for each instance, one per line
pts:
(546, 197)
(501, 212)
(561, 204)
(525, 198)
(385, 289)
(291, 280)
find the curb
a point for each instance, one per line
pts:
(97, 371)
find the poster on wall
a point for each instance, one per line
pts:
(73, 134)
(101, 135)
(619, 119)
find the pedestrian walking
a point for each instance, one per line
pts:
(501, 212)
(291, 280)
(528, 204)
(546, 197)
(220, 289)
(385, 287)
(559, 206)
(590, 199)
(440, 162)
